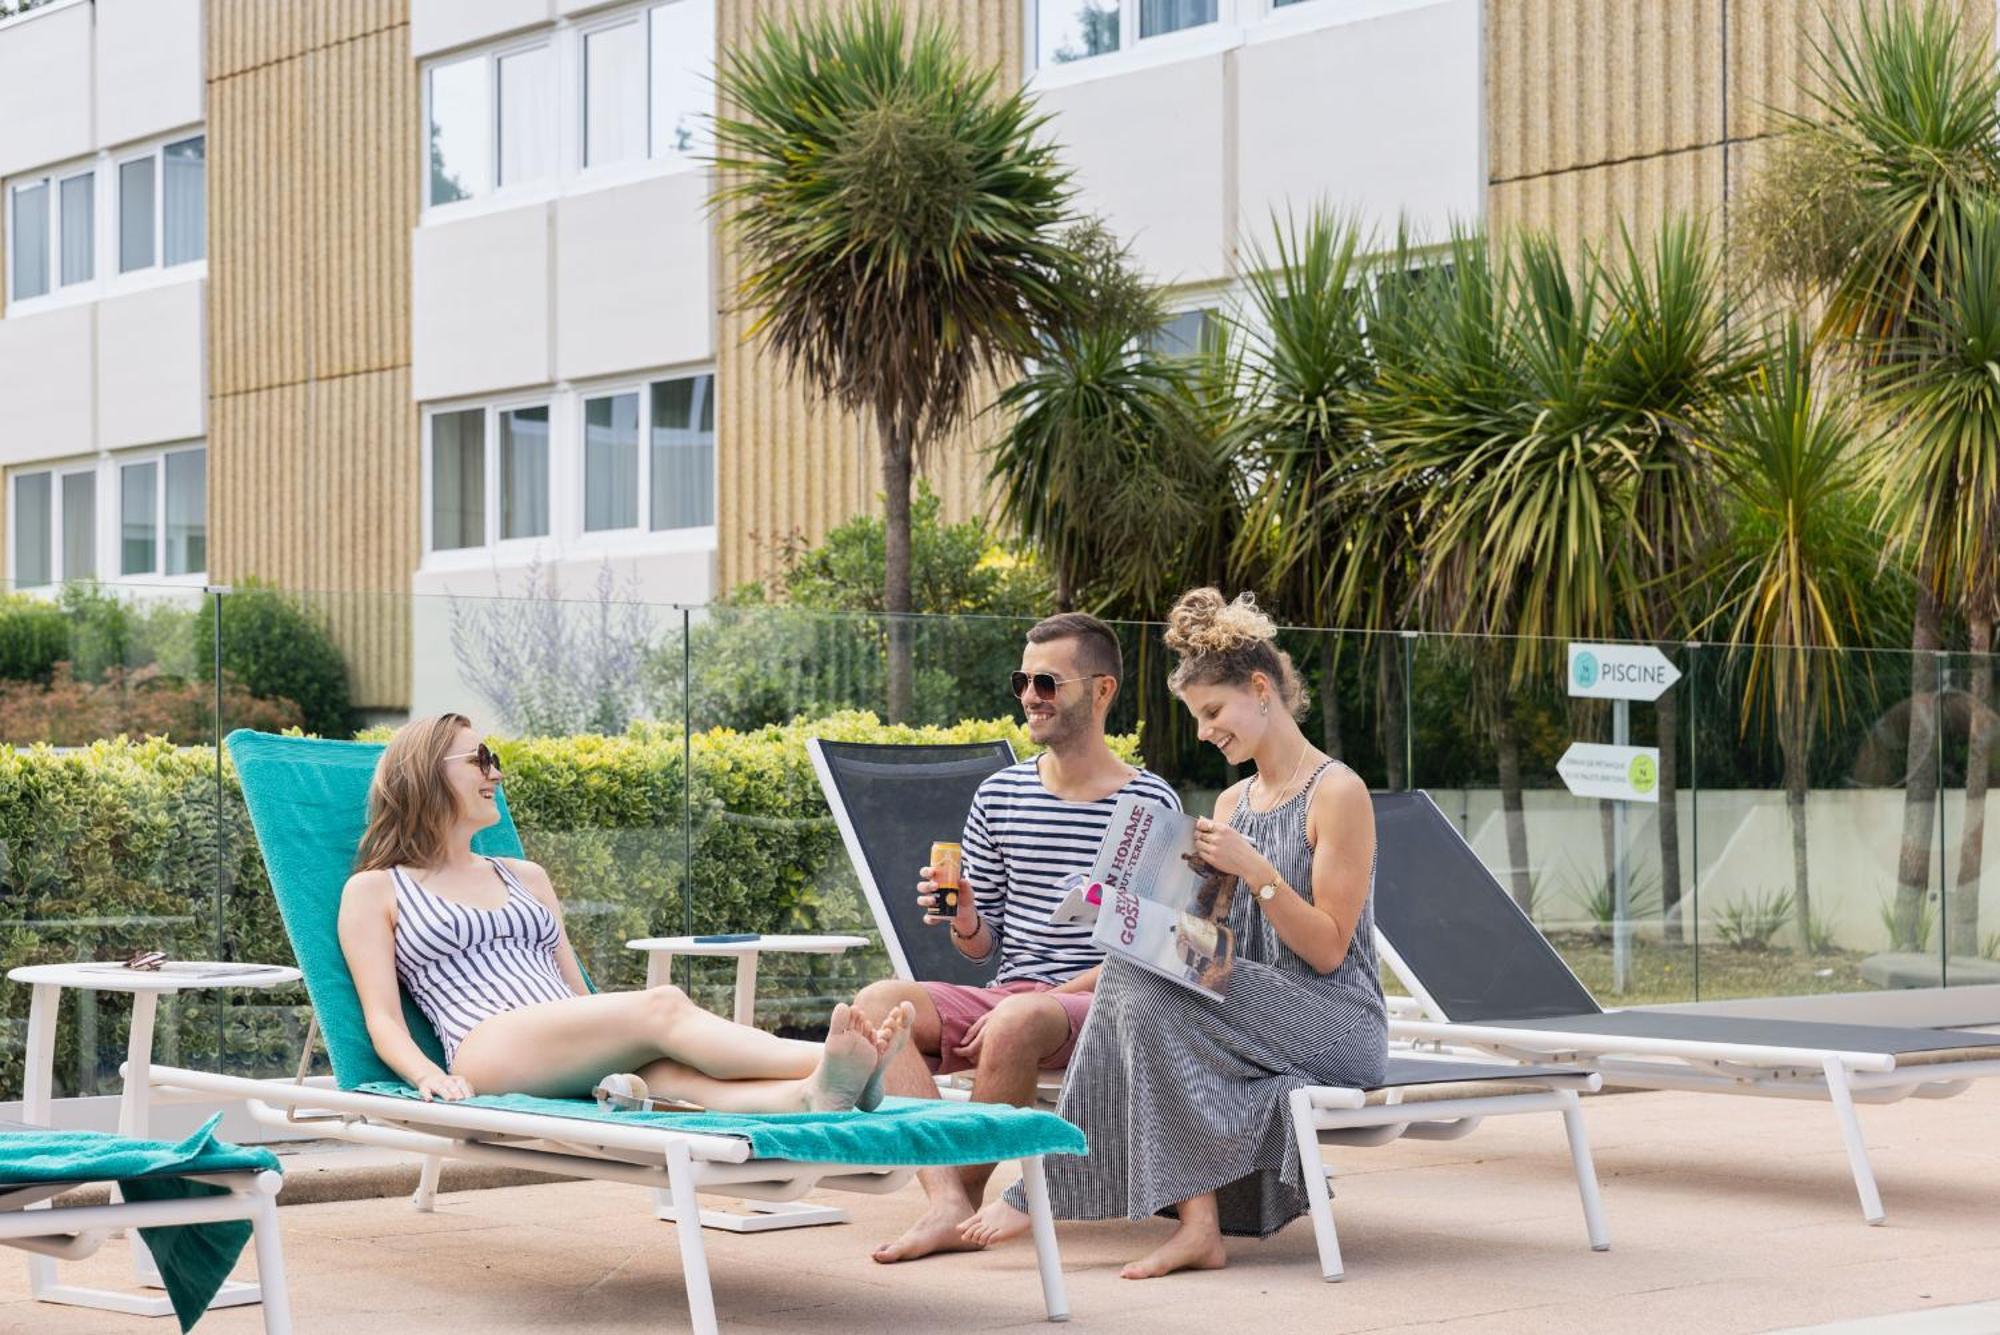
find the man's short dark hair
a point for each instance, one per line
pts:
(1096, 645)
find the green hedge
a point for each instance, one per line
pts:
(115, 846)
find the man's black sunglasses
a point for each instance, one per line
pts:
(1045, 683)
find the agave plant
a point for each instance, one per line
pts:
(897, 218)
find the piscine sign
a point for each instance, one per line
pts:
(1619, 671)
(1621, 773)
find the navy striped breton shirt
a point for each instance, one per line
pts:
(1021, 840)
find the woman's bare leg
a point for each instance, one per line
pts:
(562, 1048)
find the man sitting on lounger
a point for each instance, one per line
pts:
(1031, 825)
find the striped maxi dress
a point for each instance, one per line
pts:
(1181, 1094)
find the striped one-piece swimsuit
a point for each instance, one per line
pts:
(1182, 1094)
(463, 965)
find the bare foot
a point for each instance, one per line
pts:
(889, 1040)
(845, 1064)
(936, 1230)
(996, 1223)
(1185, 1250)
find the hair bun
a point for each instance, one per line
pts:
(1204, 622)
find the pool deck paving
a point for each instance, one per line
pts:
(1725, 1214)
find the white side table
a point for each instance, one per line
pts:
(660, 952)
(764, 1216)
(134, 1107)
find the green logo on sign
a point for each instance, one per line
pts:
(1585, 668)
(1644, 772)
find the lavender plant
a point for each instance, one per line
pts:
(551, 667)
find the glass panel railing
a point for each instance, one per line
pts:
(1494, 731)
(108, 801)
(1969, 914)
(1816, 866)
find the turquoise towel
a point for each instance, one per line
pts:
(194, 1259)
(917, 1133)
(308, 802)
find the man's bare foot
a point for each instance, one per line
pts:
(845, 1064)
(996, 1223)
(889, 1040)
(935, 1231)
(1186, 1250)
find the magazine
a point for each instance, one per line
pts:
(1161, 906)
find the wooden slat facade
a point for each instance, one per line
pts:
(786, 461)
(1601, 111)
(314, 481)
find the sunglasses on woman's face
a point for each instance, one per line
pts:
(489, 764)
(1045, 683)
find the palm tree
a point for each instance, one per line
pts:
(1495, 416)
(1332, 547)
(1796, 574)
(1100, 460)
(1669, 356)
(1906, 132)
(1939, 483)
(898, 219)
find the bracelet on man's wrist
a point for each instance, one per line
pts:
(972, 935)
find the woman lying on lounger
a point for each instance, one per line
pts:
(479, 943)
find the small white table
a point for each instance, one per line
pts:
(134, 1107)
(660, 952)
(765, 1216)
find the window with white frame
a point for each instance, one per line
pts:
(163, 206)
(674, 475)
(163, 513)
(52, 232)
(621, 460)
(1066, 31)
(489, 475)
(497, 118)
(1190, 333)
(155, 217)
(55, 526)
(131, 516)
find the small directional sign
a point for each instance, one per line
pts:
(1619, 671)
(1621, 773)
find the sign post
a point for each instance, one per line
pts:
(1621, 772)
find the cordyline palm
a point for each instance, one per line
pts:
(1331, 546)
(1102, 464)
(896, 216)
(1668, 356)
(1938, 477)
(1489, 372)
(1796, 577)
(1911, 108)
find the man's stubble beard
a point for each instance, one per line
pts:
(1071, 724)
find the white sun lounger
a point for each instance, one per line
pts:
(307, 803)
(890, 802)
(1488, 981)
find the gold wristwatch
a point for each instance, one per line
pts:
(1268, 891)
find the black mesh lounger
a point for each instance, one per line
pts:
(1488, 980)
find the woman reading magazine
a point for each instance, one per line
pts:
(1184, 1096)
(480, 944)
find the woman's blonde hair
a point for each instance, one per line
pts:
(1222, 643)
(411, 809)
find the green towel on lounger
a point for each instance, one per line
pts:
(901, 1133)
(194, 1259)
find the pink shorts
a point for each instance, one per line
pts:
(959, 1005)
